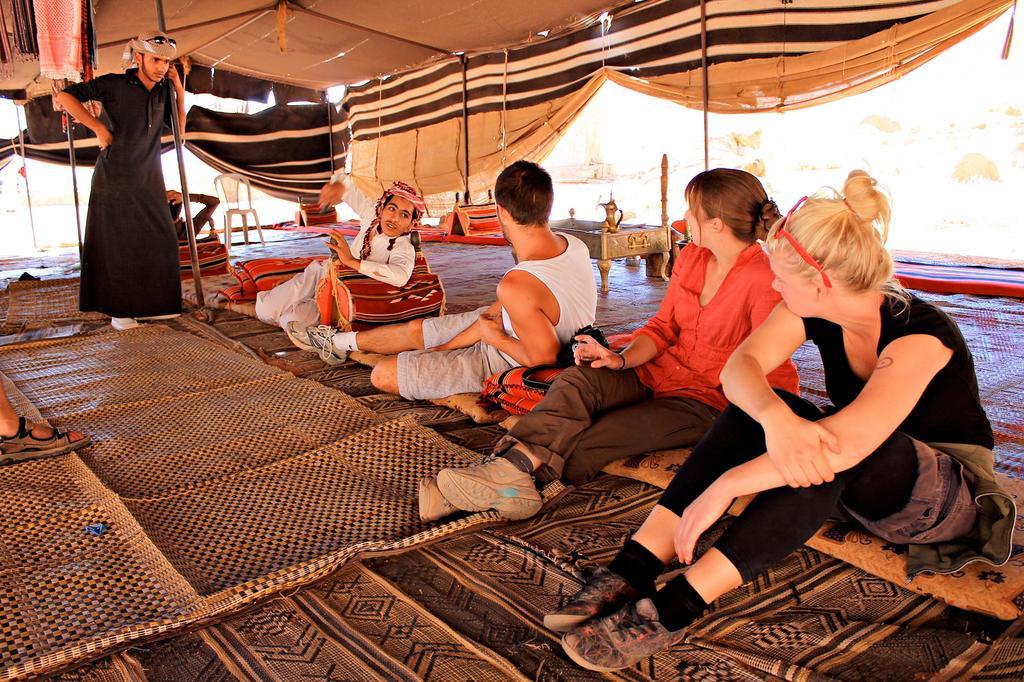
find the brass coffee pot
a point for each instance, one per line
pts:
(611, 221)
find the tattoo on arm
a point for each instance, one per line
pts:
(883, 362)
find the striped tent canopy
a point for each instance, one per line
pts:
(458, 90)
(762, 55)
(284, 150)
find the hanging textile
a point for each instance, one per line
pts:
(283, 150)
(768, 56)
(24, 26)
(6, 49)
(88, 40)
(59, 33)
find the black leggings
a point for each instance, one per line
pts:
(780, 520)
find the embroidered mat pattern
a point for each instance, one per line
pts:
(204, 492)
(810, 617)
(471, 607)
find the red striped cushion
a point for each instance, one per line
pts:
(263, 274)
(235, 294)
(519, 389)
(213, 259)
(477, 220)
(355, 301)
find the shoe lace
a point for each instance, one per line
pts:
(321, 338)
(631, 628)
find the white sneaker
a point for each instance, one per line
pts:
(321, 337)
(122, 323)
(296, 333)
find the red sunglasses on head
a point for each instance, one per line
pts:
(808, 258)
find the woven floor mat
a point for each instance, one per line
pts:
(45, 302)
(22, 334)
(159, 564)
(63, 590)
(425, 413)
(809, 617)
(153, 448)
(355, 626)
(22, 405)
(65, 376)
(240, 528)
(212, 489)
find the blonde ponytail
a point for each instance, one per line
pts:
(846, 234)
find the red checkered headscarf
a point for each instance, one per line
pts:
(398, 189)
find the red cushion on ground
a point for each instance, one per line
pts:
(358, 302)
(263, 274)
(213, 258)
(519, 389)
(478, 220)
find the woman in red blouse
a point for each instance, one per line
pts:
(661, 390)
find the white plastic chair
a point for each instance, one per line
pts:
(236, 193)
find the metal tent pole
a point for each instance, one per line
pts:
(465, 120)
(704, 72)
(179, 148)
(28, 191)
(70, 125)
(330, 130)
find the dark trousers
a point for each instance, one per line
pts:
(780, 520)
(591, 417)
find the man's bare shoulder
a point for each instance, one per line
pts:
(519, 283)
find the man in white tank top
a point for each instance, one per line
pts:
(541, 303)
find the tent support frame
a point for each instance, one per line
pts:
(704, 76)
(70, 125)
(197, 279)
(465, 121)
(28, 190)
(330, 130)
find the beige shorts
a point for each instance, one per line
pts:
(428, 374)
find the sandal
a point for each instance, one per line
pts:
(24, 446)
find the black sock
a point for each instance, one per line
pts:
(678, 604)
(519, 459)
(638, 566)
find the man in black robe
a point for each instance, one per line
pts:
(130, 257)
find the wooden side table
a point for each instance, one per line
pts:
(630, 240)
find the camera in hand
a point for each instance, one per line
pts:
(567, 353)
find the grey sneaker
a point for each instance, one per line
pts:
(622, 639)
(297, 335)
(321, 337)
(497, 484)
(603, 593)
(433, 505)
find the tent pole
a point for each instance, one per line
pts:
(197, 279)
(465, 120)
(330, 130)
(704, 75)
(70, 124)
(28, 191)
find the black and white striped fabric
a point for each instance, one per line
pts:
(283, 150)
(642, 40)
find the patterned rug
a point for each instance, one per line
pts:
(205, 491)
(470, 607)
